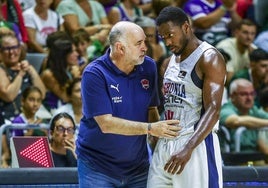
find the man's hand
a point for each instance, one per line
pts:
(177, 162)
(166, 129)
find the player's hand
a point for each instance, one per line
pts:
(166, 129)
(177, 162)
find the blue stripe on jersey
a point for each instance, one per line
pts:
(196, 80)
(212, 168)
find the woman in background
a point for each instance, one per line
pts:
(61, 70)
(62, 144)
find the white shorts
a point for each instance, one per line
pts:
(203, 170)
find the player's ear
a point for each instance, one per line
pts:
(186, 26)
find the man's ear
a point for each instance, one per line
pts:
(120, 47)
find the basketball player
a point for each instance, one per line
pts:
(193, 87)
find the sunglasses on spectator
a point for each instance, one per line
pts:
(61, 130)
(9, 48)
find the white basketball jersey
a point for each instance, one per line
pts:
(183, 90)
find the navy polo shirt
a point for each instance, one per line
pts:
(107, 90)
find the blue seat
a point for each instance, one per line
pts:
(36, 60)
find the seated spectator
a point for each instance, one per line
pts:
(30, 104)
(51, 38)
(241, 111)
(74, 107)
(86, 14)
(62, 141)
(62, 69)
(16, 76)
(88, 50)
(41, 21)
(156, 47)
(12, 12)
(239, 47)
(257, 73)
(125, 10)
(212, 18)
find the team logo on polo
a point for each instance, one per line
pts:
(182, 74)
(145, 83)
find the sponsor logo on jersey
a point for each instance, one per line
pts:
(182, 74)
(145, 83)
(115, 87)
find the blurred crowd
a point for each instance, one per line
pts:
(64, 36)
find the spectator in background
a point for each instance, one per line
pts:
(239, 47)
(82, 42)
(125, 10)
(86, 14)
(12, 12)
(62, 69)
(16, 75)
(212, 18)
(74, 107)
(88, 50)
(51, 39)
(41, 21)
(241, 111)
(62, 140)
(257, 73)
(30, 103)
(156, 47)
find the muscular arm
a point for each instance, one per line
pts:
(212, 68)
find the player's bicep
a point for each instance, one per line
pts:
(214, 73)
